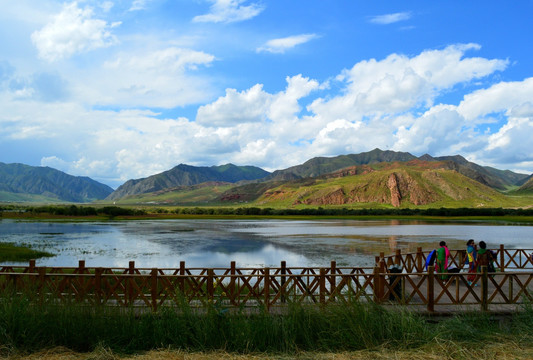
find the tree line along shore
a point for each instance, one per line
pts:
(114, 211)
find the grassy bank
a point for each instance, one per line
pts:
(438, 350)
(28, 328)
(12, 252)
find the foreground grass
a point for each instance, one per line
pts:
(437, 350)
(351, 331)
(12, 252)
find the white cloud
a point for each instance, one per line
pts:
(228, 11)
(386, 103)
(390, 18)
(161, 78)
(512, 142)
(73, 31)
(435, 132)
(235, 107)
(139, 5)
(281, 45)
(499, 97)
(255, 105)
(399, 83)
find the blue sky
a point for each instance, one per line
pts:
(117, 90)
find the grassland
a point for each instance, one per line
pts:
(346, 331)
(12, 252)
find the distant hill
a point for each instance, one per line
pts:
(324, 165)
(497, 179)
(189, 185)
(19, 182)
(186, 175)
(398, 184)
(526, 188)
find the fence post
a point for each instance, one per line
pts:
(31, 270)
(283, 279)
(377, 285)
(129, 288)
(231, 288)
(181, 280)
(81, 280)
(322, 286)
(511, 292)
(42, 279)
(419, 260)
(484, 288)
(154, 290)
(502, 258)
(210, 287)
(431, 289)
(398, 257)
(81, 267)
(98, 284)
(333, 279)
(267, 289)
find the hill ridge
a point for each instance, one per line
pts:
(17, 181)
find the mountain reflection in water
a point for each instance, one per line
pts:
(250, 243)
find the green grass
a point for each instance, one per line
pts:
(12, 252)
(29, 326)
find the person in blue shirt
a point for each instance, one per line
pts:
(471, 257)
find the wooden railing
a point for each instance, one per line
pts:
(276, 287)
(505, 259)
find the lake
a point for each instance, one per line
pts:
(251, 243)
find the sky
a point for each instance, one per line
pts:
(119, 90)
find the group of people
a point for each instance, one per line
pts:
(475, 258)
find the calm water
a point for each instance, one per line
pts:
(215, 243)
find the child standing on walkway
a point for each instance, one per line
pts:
(471, 257)
(442, 259)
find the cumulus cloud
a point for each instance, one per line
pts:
(281, 45)
(74, 30)
(435, 132)
(387, 103)
(399, 83)
(499, 97)
(228, 11)
(390, 18)
(255, 105)
(235, 107)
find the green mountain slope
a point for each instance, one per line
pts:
(186, 175)
(526, 188)
(323, 165)
(396, 185)
(194, 195)
(495, 178)
(19, 182)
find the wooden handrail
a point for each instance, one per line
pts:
(276, 286)
(505, 259)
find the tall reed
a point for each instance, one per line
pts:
(28, 324)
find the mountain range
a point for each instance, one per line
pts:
(186, 175)
(379, 177)
(19, 182)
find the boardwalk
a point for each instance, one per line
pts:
(273, 289)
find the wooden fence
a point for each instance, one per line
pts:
(415, 262)
(276, 287)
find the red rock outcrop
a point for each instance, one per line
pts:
(394, 188)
